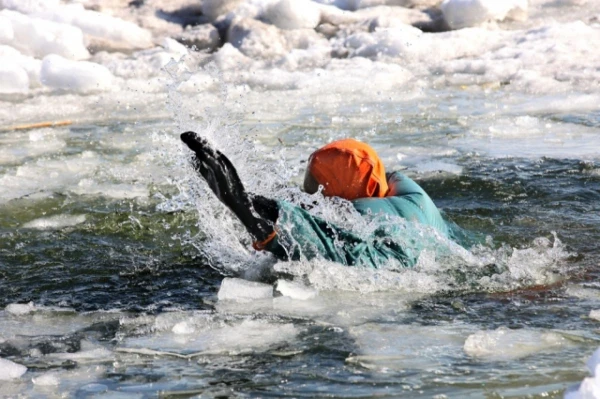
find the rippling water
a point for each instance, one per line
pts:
(112, 251)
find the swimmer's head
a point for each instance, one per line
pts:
(348, 169)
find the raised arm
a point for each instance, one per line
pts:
(258, 214)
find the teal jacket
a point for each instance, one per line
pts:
(393, 241)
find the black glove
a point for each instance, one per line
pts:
(223, 180)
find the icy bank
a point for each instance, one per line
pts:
(39, 37)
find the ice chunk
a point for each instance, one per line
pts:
(214, 336)
(215, 8)
(6, 31)
(504, 343)
(294, 14)
(595, 314)
(256, 39)
(99, 25)
(39, 37)
(183, 327)
(590, 386)
(202, 37)
(10, 370)
(19, 309)
(235, 289)
(9, 55)
(464, 13)
(174, 47)
(82, 76)
(29, 6)
(55, 222)
(295, 290)
(13, 78)
(48, 379)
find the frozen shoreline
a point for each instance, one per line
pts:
(48, 48)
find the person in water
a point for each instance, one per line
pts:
(346, 168)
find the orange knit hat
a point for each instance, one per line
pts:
(348, 169)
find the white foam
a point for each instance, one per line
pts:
(238, 290)
(507, 344)
(55, 222)
(295, 290)
(10, 370)
(83, 76)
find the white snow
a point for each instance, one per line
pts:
(81, 76)
(235, 289)
(10, 370)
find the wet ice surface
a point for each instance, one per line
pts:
(122, 276)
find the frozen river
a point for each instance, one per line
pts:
(112, 251)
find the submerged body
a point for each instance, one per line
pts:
(302, 235)
(347, 169)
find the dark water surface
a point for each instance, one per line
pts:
(127, 275)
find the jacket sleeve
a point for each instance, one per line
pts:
(299, 235)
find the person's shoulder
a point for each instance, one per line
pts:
(401, 185)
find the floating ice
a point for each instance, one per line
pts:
(595, 314)
(464, 13)
(183, 327)
(10, 370)
(295, 290)
(590, 386)
(19, 309)
(47, 379)
(402, 347)
(506, 344)
(235, 289)
(39, 37)
(212, 336)
(82, 76)
(294, 14)
(55, 222)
